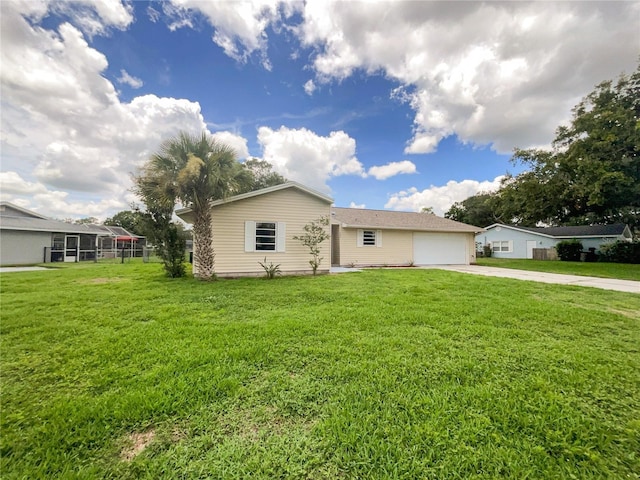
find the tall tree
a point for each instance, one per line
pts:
(592, 174)
(478, 210)
(262, 174)
(194, 170)
(131, 220)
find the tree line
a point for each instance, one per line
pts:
(591, 174)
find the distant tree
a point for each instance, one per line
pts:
(86, 221)
(427, 210)
(592, 174)
(262, 175)
(478, 210)
(314, 235)
(131, 220)
(193, 170)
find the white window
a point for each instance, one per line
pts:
(502, 246)
(369, 238)
(260, 236)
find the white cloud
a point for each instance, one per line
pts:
(440, 197)
(240, 27)
(63, 121)
(309, 87)
(304, 156)
(357, 205)
(505, 74)
(127, 79)
(391, 169)
(238, 143)
(95, 17)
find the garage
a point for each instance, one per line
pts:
(431, 248)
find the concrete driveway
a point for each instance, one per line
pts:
(604, 283)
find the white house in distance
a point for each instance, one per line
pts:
(253, 226)
(508, 241)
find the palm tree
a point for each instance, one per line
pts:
(194, 170)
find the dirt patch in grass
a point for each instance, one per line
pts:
(627, 313)
(100, 281)
(136, 443)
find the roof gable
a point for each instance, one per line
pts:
(184, 213)
(8, 209)
(389, 219)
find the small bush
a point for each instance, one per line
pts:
(620, 252)
(270, 270)
(569, 250)
(486, 250)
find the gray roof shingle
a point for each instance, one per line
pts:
(579, 230)
(358, 217)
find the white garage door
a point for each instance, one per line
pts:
(440, 249)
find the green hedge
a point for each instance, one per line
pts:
(569, 250)
(620, 252)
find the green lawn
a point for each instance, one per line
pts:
(624, 271)
(379, 374)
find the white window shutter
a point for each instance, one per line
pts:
(511, 245)
(249, 236)
(281, 236)
(378, 238)
(359, 238)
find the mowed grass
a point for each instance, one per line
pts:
(114, 371)
(623, 271)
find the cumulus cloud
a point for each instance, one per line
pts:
(62, 119)
(392, 169)
(309, 87)
(357, 205)
(308, 158)
(440, 197)
(505, 74)
(53, 203)
(127, 79)
(95, 18)
(237, 142)
(240, 27)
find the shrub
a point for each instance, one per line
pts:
(486, 250)
(270, 270)
(569, 250)
(314, 235)
(620, 252)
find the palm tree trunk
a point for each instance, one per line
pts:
(203, 255)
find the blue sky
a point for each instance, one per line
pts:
(398, 105)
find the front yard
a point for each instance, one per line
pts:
(115, 371)
(623, 271)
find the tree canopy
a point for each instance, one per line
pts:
(591, 175)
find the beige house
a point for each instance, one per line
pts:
(253, 226)
(381, 237)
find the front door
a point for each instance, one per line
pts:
(531, 244)
(71, 244)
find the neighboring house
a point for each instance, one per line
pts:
(384, 237)
(508, 241)
(26, 237)
(253, 226)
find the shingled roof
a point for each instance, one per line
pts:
(362, 218)
(578, 231)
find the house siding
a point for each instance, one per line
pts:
(396, 249)
(22, 247)
(520, 238)
(290, 206)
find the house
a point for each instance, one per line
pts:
(384, 237)
(508, 241)
(259, 225)
(26, 237)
